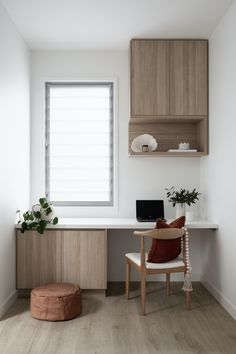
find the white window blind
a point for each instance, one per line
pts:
(79, 143)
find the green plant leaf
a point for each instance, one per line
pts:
(37, 214)
(48, 211)
(183, 196)
(42, 201)
(42, 223)
(55, 221)
(33, 219)
(31, 216)
(24, 227)
(40, 230)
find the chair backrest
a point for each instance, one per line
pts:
(161, 234)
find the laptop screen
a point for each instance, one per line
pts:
(149, 210)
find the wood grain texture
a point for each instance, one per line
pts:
(168, 284)
(166, 154)
(188, 77)
(168, 135)
(93, 259)
(38, 258)
(112, 325)
(161, 234)
(71, 250)
(202, 135)
(169, 84)
(78, 257)
(149, 77)
(84, 258)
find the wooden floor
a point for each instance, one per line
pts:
(113, 325)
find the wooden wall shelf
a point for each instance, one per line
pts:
(167, 154)
(170, 133)
(166, 119)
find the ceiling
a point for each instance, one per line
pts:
(110, 24)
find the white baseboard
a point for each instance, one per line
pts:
(7, 303)
(228, 306)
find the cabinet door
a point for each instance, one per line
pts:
(188, 77)
(84, 258)
(149, 78)
(38, 258)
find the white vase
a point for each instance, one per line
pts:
(189, 216)
(180, 210)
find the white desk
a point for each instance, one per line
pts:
(114, 223)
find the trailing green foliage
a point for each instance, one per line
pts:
(184, 196)
(38, 218)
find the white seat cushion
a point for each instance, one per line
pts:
(135, 257)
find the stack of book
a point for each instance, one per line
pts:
(179, 150)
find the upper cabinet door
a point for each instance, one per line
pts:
(188, 77)
(150, 77)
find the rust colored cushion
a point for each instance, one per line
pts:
(56, 302)
(165, 250)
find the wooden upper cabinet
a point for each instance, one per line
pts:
(150, 77)
(169, 78)
(188, 77)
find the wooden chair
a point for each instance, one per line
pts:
(179, 264)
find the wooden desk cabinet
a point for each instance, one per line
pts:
(77, 256)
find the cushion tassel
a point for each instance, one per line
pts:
(187, 286)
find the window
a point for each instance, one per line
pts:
(79, 143)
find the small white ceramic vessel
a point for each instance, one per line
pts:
(144, 139)
(184, 146)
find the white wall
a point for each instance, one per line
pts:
(14, 147)
(123, 241)
(137, 177)
(218, 170)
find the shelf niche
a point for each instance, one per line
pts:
(169, 133)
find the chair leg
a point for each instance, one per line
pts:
(188, 300)
(143, 292)
(168, 284)
(127, 280)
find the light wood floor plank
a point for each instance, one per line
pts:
(113, 325)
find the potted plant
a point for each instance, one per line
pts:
(181, 198)
(38, 218)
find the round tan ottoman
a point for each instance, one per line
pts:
(56, 302)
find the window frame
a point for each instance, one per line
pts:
(111, 85)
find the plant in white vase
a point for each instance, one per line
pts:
(38, 218)
(181, 198)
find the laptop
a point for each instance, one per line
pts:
(149, 210)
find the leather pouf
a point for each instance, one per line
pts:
(56, 302)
